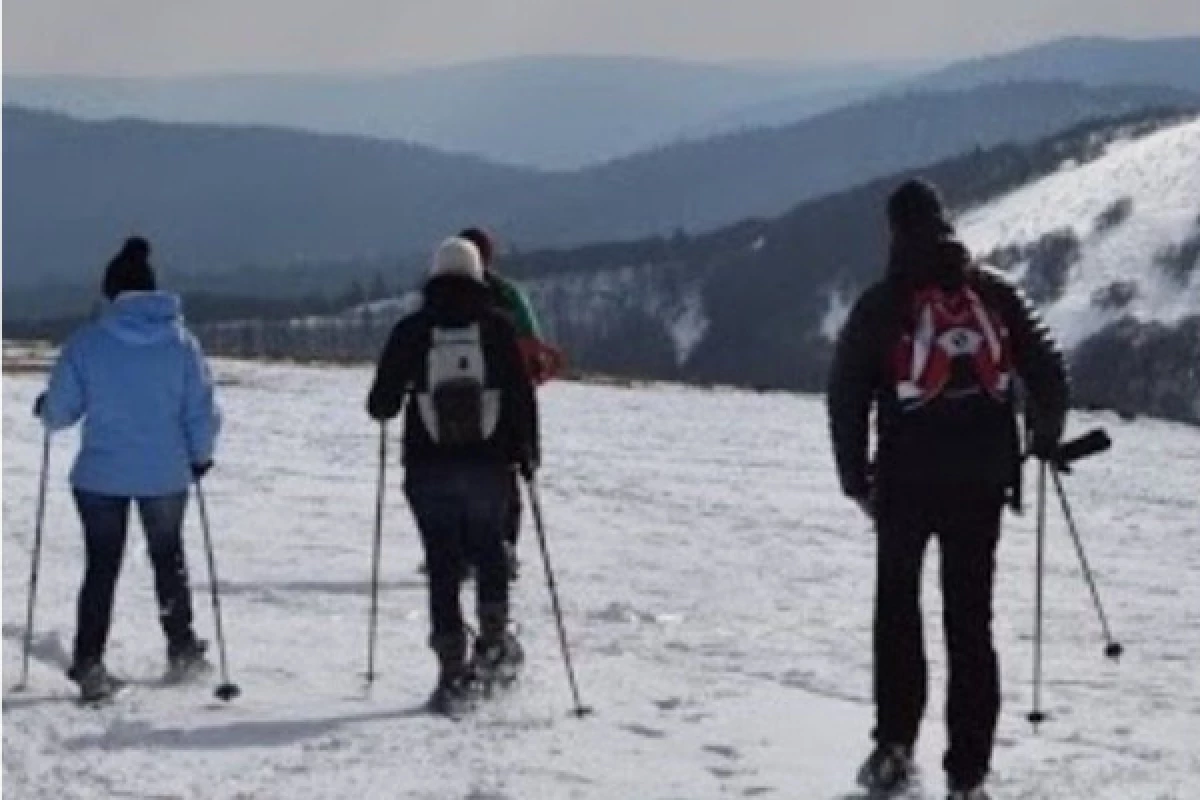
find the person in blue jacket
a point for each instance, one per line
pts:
(139, 381)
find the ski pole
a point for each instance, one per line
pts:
(377, 544)
(1036, 716)
(535, 503)
(1112, 648)
(226, 690)
(36, 559)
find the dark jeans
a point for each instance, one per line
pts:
(966, 521)
(105, 523)
(462, 512)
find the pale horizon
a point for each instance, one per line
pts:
(150, 38)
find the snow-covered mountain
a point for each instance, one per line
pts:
(717, 596)
(1129, 226)
(1111, 248)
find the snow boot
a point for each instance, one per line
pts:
(498, 654)
(453, 694)
(186, 661)
(95, 682)
(887, 771)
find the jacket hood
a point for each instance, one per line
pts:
(933, 258)
(143, 318)
(456, 300)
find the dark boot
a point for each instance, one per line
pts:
(186, 661)
(888, 770)
(498, 653)
(95, 682)
(452, 694)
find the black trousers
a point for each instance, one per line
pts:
(105, 525)
(966, 521)
(462, 512)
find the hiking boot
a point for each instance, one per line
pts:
(453, 695)
(888, 770)
(95, 682)
(977, 793)
(491, 654)
(187, 661)
(497, 660)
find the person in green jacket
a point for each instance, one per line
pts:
(543, 361)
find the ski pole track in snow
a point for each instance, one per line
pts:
(717, 593)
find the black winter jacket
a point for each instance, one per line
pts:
(979, 447)
(402, 372)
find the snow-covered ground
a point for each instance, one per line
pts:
(717, 593)
(1159, 175)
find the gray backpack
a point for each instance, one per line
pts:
(458, 408)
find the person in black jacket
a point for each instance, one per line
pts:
(937, 348)
(471, 418)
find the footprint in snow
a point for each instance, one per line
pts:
(723, 750)
(642, 730)
(623, 614)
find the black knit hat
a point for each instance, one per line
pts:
(130, 270)
(916, 205)
(482, 241)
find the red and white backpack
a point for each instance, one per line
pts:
(953, 348)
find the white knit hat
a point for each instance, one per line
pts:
(459, 257)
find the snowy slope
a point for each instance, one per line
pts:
(1160, 175)
(717, 593)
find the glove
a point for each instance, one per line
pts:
(201, 469)
(1044, 448)
(39, 404)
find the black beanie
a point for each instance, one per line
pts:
(916, 205)
(130, 270)
(483, 243)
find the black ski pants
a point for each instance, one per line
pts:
(966, 521)
(105, 525)
(462, 512)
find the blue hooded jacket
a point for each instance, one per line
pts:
(139, 380)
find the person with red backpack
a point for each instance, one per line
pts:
(938, 347)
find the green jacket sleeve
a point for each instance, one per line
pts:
(514, 301)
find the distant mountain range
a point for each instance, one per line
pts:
(702, 185)
(542, 112)
(217, 198)
(566, 112)
(1090, 61)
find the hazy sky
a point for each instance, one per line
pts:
(188, 36)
